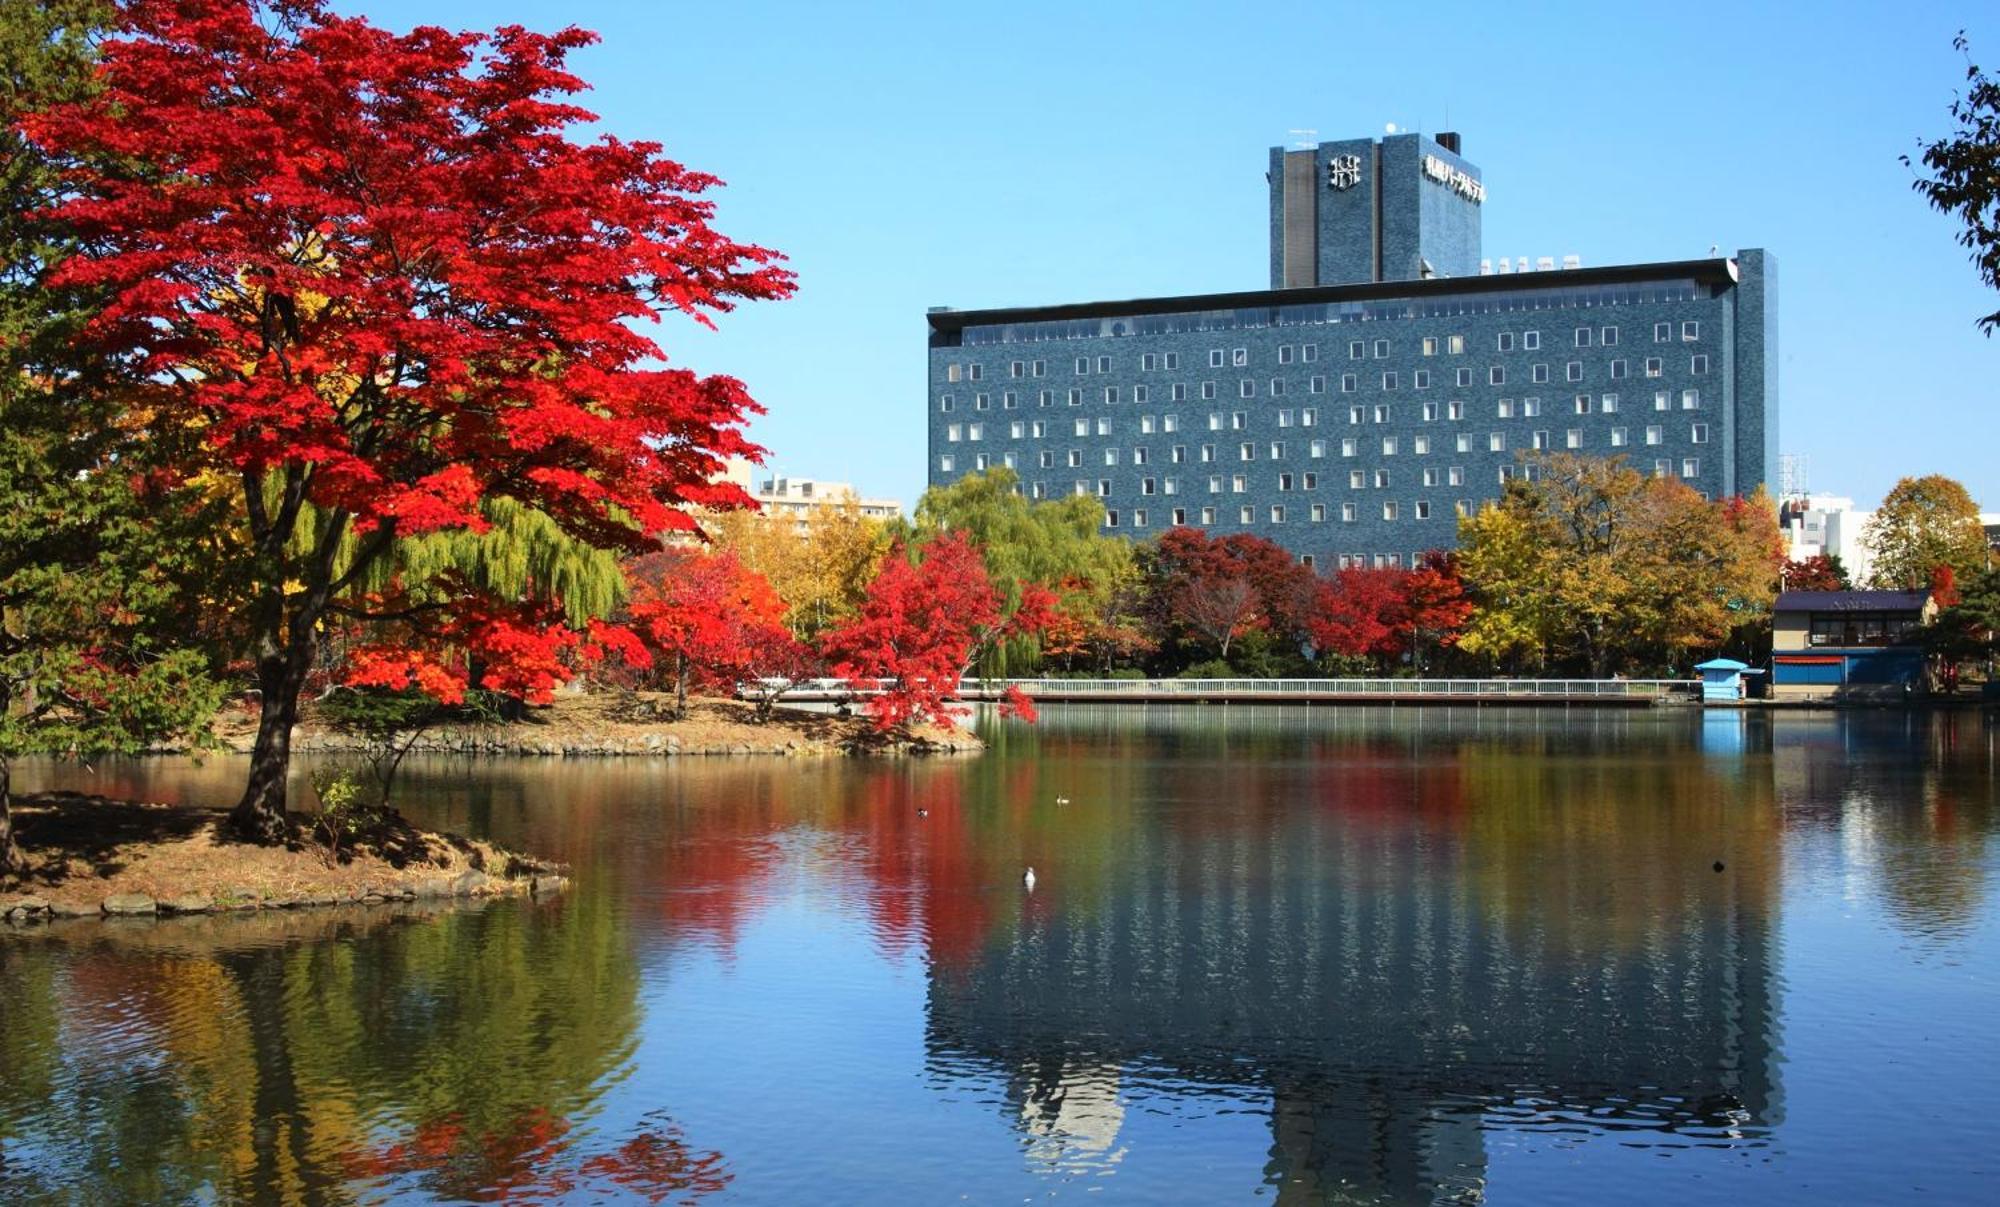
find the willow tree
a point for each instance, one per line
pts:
(1053, 543)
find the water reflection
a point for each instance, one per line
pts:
(1339, 954)
(1395, 939)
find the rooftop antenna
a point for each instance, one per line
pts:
(1794, 475)
(1304, 139)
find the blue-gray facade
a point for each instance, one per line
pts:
(1354, 422)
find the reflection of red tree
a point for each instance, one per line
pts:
(924, 878)
(658, 1165)
(524, 1161)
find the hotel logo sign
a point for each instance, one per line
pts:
(1343, 172)
(1455, 179)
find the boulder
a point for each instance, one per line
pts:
(548, 885)
(467, 884)
(67, 909)
(130, 905)
(186, 904)
(430, 888)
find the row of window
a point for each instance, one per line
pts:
(1350, 383)
(1358, 479)
(1380, 349)
(1391, 511)
(1350, 446)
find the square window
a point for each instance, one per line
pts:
(1430, 345)
(1239, 357)
(1455, 344)
(1388, 381)
(1381, 348)
(1496, 442)
(1698, 363)
(1318, 513)
(1618, 437)
(1698, 433)
(1388, 446)
(1662, 332)
(1420, 445)
(1584, 337)
(1277, 513)
(1347, 513)
(1455, 476)
(1655, 434)
(1284, 354)
(1421, 379)
(1608, 336)
(1505, 341)
(1454, 410)
(1690, 467)
(1423, 509)
(1215, 358)
(1464, 378)
(1357, 350)
(1316, 386)
(1349, 383)
(1497, 375)
(946, 462)
(1690, 400)
(1690, 330)
(1538, 373)
(1389, 510)
(1573, 370)
(1573, 438)
(1208, 389)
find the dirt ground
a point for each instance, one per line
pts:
(641, 722)
(83, 849)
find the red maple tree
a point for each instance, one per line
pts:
(380, 276)
(709, 617)
(1386, 612)
(1219, 588)
(923, 625)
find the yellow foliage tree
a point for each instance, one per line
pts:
(1586, 560)
(819, 568)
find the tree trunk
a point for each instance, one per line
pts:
(10, 854)
(680, 687)
(260, 815)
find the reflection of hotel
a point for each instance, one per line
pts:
(1391, 993)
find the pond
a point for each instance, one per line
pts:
(1340, 954)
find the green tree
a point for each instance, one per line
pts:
(1964, 179)
(1925, 523)
(1056, 543)
(98, 539)
(1969, 630)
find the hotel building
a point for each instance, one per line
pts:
(1386, 383)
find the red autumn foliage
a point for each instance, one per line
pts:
(1815, 573)
(382, 277)
(1218, 588)
(1386, 612)
(923, 624)
(1944, 586)
(711, 619)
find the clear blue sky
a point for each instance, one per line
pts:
(913, 155)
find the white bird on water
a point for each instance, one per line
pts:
(1028, 880)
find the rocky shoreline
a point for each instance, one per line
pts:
(27, 910)
(506, 741)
